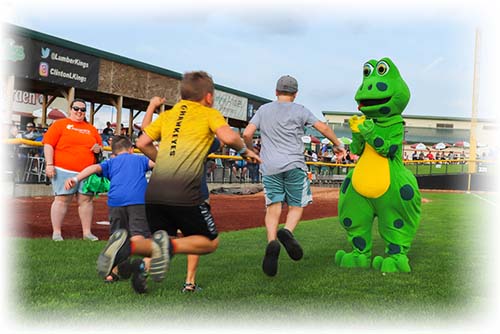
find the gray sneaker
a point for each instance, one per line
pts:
(90, 237)
(57, 237)
(116, 251)
(160, 256)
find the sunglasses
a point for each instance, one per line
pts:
(79, 109)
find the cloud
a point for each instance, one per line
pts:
(433, 64)
(288, 23)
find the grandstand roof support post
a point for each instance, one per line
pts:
(69, 95)
(118, 104)
(137, 114)
(94, 110)
(92, 113)
(9, 93)
(46, 102)
(45, 105)
(130, 122)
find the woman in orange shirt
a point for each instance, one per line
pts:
(69, 147)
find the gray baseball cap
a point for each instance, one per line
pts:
(287, 84)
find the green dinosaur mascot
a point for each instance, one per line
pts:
(380, 185)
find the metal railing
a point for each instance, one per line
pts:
(222, 171)
(447, 167)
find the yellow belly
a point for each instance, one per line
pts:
(371, 177)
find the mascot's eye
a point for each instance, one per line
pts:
(367, 69)
(382, 68)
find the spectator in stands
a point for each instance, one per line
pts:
(348, 158)
(15, 154)
(210, 167)
(281, 124)
(123, 131)
(107, 133)
(240, 169)
(253, 168)
(31, 132)
(14, 132)
(108, 130)
(338, 158)
(414, 156)
(430, 156)
(324, 149)
(314, 156)
(307, 155)
(69, 146)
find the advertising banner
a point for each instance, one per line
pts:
(32, 59)
(230, 105)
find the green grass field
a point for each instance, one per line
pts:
(448, 258)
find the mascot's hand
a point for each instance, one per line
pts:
(367, 127)
(355, 121)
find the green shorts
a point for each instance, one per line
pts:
(291, 187)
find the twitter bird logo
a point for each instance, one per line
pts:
(45, 52)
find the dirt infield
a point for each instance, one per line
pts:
(31, 215)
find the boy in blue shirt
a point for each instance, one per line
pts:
(127, 174)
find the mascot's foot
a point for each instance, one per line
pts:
(353, 259)
(393, 264)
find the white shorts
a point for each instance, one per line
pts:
(60, 178)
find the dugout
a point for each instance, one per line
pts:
(54, 67)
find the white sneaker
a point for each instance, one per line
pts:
(160, 256)
(57, 237)
(90, 237)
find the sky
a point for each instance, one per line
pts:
(323, 44)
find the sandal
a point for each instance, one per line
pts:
(190, 287)
(111, 278)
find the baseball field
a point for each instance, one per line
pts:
(56, 282)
